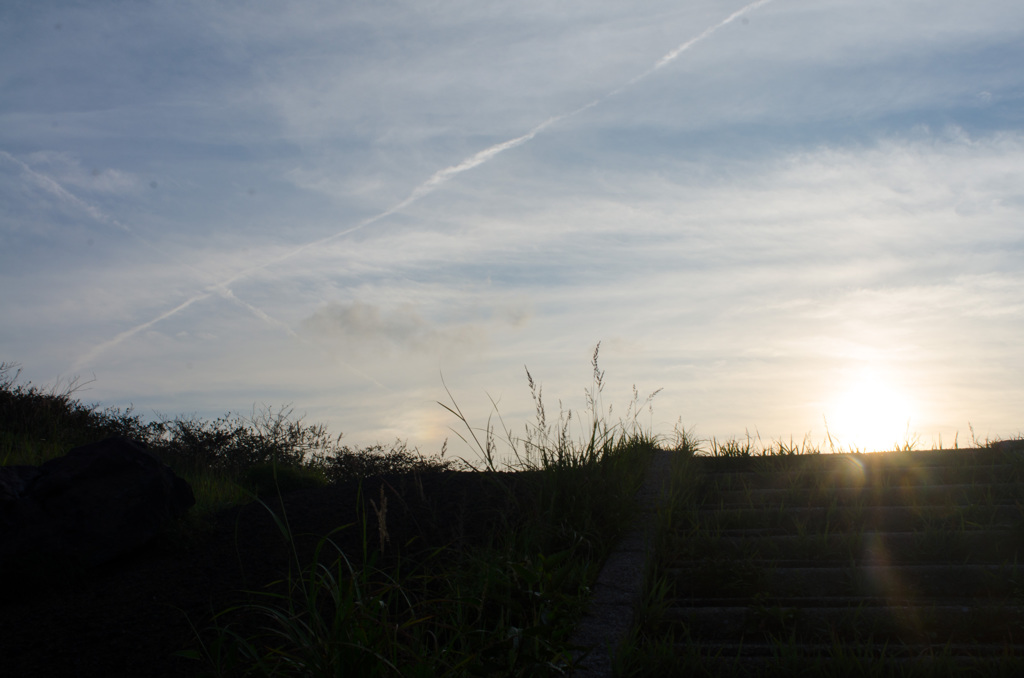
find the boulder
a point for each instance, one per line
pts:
(95, 504)
(13, 481)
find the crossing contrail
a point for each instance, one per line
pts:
(436, 180)
(54, 187)
(221, 289)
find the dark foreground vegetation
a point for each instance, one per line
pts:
(305, 556)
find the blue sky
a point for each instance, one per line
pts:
(782, 213)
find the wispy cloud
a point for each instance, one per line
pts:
(427, 187)
(363, 328)
(331, 207)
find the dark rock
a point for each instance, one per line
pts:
(13, 481)
(97, 503)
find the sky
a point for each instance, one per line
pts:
(799, 220)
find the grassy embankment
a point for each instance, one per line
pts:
(503, 608)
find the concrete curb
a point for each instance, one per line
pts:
(619, 586)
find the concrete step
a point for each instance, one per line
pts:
(915, 461)
(867, 547)
(895, 518)
(852, 620)
(856, 474)
(758, 659)
(715, 580)
(979, 493)
(867, 650)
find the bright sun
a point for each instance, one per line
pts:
(869, 415)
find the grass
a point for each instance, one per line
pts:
(506, 607)
(226, 460)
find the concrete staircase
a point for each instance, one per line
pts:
(876, 564)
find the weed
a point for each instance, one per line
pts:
(506, 607)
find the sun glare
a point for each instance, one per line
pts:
(869, 415)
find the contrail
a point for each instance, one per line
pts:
(427, 187)
(674, 54)
(431, 184)
(258, 312)
(227, 294)
(671, 56)
(55, 188)
(51, 185)
(111, 343)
